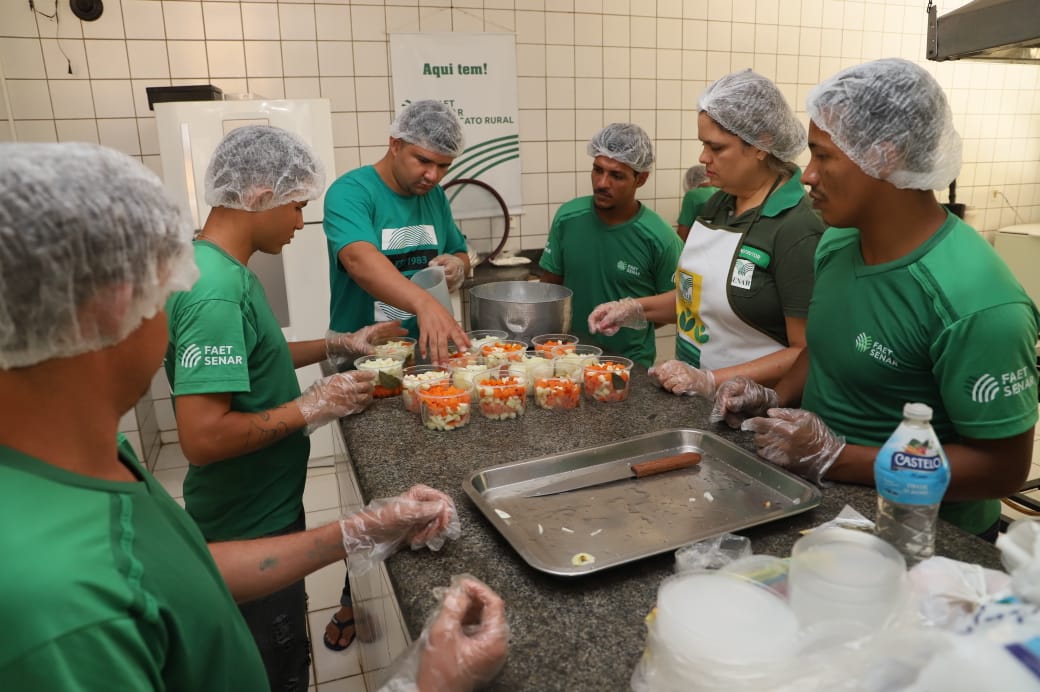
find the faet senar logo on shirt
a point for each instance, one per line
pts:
(986, 387)
(194, 355)
(628, 268)
(876, 350)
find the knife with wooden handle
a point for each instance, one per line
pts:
(641, 469)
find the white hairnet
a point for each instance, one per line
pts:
(892, 119)
(90, 246)
(626, 143)
(752, 107)
(695, 175)
(259, 167)
(431, 125)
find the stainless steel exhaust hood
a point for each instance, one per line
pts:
(999, 30)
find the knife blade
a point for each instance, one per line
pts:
(638, 470)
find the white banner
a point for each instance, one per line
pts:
(476, 75)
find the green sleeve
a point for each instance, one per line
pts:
(349, 214)
(552, 256)
(211, 342)
(686, 210)
(664, 276)
(793, 251)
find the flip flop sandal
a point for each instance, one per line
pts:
(340, 625)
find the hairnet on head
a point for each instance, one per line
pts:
(90, 246)
(431, 125)
(752, 107)
(259, 167)
(695, 175)
(626, 143)
(892, 119)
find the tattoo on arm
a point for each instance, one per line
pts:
(263, 432)
(268, 563)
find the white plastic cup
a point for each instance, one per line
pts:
(432, 279)
(842, 576)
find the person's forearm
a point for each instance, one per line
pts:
(258, 567)
(235, 433)
(374, 273)
(789, 388)
(767, 370)
(464, 256)
(659, 309)
(307, 352)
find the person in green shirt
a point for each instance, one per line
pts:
(741, 291)
(108, 584)
(609, 245)
(698, 191)
(910, 305)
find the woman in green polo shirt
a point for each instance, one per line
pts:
(744, 279)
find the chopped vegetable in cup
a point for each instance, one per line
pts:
(557, 393)
(420, 377)
(608, 379)
(501, 398)
(444, 407)
(390, 372)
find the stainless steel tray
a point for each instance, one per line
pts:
(731, 489)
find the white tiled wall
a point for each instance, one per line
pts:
(581, 63)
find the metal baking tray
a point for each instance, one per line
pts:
(624, 521)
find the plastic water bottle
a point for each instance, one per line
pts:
(911, 473)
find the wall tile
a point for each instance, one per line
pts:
(84, 130)
(108, 25)
(434, 19)
(530, 27)
(368, 23)
(59, 55)
(35, 131)
(333, 22)
(559, 92)
(226, 58)
(22, 58)
(372, 93)
(260, 21)
(463, 21)
(399, 20)
(222, 21)
(147, 59)
(143, 19)
(296, 22)
(183, 20)
(267, 87)
(371, 58)
(112, 98)
(17, 19)
(263, 58)
(559, 28)
(107, 59)
(149, 136)
(30, 99)
(187, 59)
(120, 134)
(559, 61)
(300, 58)
(335, 58)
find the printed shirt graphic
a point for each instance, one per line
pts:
(602, 263)
(223, 338)
(941, 326)
(409, 231)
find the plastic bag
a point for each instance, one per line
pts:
(712, 553)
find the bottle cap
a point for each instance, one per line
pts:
(917, 411)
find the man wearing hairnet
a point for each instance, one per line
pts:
(698, 190)
(108, 584)
(610, 246)
(387, 221)
(910, 304)
(241, 416)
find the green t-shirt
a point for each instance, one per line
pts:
(692, 202)
(109, 585)
(224, 338)
(947, 325)
(409, 231)
(781, 244)
(601, 263)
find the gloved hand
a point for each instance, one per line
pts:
(420, 517)
(336, 396)
(608, 318)
(679, 378)
(796, 440)
(741, 398)
(454, 270)
(345, 347)
(463, 644)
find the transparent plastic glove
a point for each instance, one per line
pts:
(421, 517)
(679, 378)
(608, 318)
(741, 398)
(345, 347)
(336, 396)
(454, 270)
(796, 440)
(463, 644)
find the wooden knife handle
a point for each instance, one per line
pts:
(679, 461)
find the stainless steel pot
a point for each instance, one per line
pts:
(522, 308)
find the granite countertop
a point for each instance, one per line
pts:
(584, 633)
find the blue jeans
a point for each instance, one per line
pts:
(279, 626)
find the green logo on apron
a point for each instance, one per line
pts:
(760, 258)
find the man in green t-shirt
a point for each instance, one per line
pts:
(610, 246)
(240, 414)
(909, 304)
(108, 584)
(698, 191)
(385, 222)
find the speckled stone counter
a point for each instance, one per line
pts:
(576, 634)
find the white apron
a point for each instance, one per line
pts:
(705, 322)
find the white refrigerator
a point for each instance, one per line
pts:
(297, 281)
